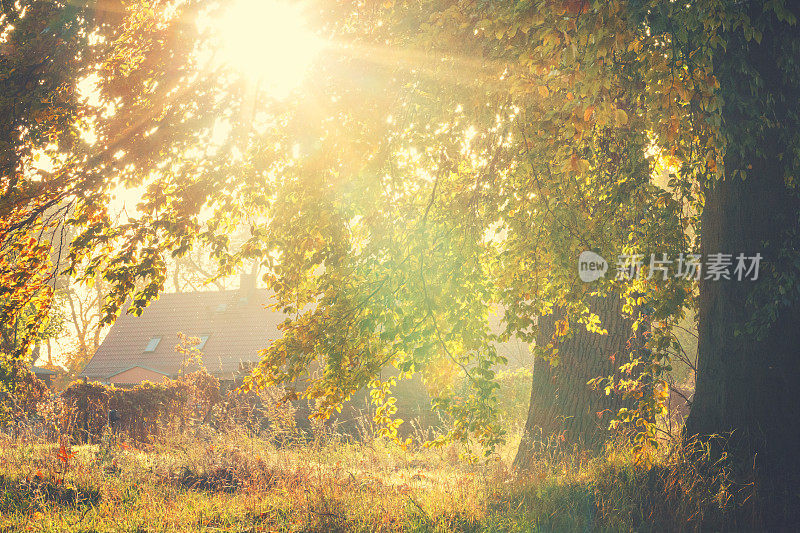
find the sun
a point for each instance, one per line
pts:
(269, 42)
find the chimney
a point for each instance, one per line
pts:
(247, 285)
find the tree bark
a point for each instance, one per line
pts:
(562, 405)
(748, 383)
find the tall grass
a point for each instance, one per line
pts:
(240, 480)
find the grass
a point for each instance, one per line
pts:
(237, 481)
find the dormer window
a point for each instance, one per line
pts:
(203, 339)
(152, 344)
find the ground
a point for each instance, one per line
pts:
(236, 481)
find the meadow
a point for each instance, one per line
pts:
(240, 480)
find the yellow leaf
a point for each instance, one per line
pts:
(543, 92)
(587, 115)
(621, 117)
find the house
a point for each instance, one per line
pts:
(45, 375)
(232, 327)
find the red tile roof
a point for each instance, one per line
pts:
(237, 327)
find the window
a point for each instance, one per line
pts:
(151, 345)
(203, 339)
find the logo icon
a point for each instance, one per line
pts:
(591, 266)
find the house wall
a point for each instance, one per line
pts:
(47, 379)
(136, 375)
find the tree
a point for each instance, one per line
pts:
(581, 179)
(389, 240)
(408, 270)
(747, 354)
(562, 405)
(40, 60)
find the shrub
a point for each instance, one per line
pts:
(142, 411)
(20, 401)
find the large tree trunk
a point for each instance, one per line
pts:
(748, 383)
(562, 405)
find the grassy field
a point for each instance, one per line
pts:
(235, 481)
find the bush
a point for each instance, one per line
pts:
(23, 394)
(142, 412)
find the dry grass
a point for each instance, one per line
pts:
(238, 481)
